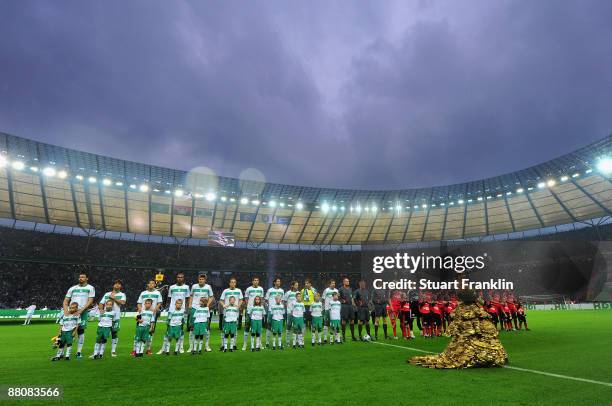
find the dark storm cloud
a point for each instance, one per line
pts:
(320, 94)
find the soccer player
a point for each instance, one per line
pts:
(255, 316)
(436, 319)
(29, 314)
(298, 321)
(156, 304)
(379, 298)
(395, 307)
(198, 290)
(289, 300)
(83, 294)
(345, 295)
(522, 317)
(118, 298)
(144, 326)
(68, 330)
(316, 324)
(105, 325)
(327, 297)
(176, 319)
(250, 294)
(308, 295)
(271, 295)
(226, 295)
(200, 318)
(335, 316)
(277, 311)
(230, 321)
(425, 311)
(406, 320)
(512, 309)
(179, 291)
(362, 302)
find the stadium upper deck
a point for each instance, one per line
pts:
(50, 184)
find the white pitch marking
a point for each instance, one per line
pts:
(533, 371)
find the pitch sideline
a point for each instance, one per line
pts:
(533, 371)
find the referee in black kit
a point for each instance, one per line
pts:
(347, 310)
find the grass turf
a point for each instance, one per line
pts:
(573, 343)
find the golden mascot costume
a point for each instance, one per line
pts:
(474, 340)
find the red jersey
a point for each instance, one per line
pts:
(406, 307)
(425, 308)
(396, 301)
(436, 309)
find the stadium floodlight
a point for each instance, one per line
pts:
(79, 177)
(605, 165)
(62, 174)
(198, 195)
(530, 188)
(451, 204)
(232, 199)
(282, 204)
(272, 203)
(334, 208)
(92, 179)
(550, 183)
(575, 175)
(299, 206)
(479, 198)
(564, 178)
(366, 208)
(469, 200)
(178, 193)
(442, 204)
(223, 199)
(118, 183)
(508, 193)
(358, 209)
(416, 206)
(342, 208)
(588, 171)
(244, 200)
(499, 195)
(34, 168)
(144, 188)
(520, 190)
(374, 209)
(106, 182)
(460, 201)
(541, 185)
(489, 197)
(424, 206)
(132, 186)
(17, 165)
(48, 171)
(167, 192)
(210, 196)
(3, 161)
(398, 207)
(325, 207)
(255, 202)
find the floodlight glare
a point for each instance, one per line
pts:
(541, 185)
(106, 182)
(132, 186)
(17, 165)
(92, 179)
(143, 188)
(272, 203)
(178, 193)
(398, 207)
(299, 206)
(281, 204)
(334, 208)
(479, 198)
(232, 199)
(210, 196)
(519, 190)
(118, 183)
(79, 177)
(564, 178)
(49, 172)
(550, 183)
(605, 165)
(255, 202)
(460, 201)
(575, 175)
(62, 174)
(34, 168)
(244, 200)
(3, 161)
(223, 198)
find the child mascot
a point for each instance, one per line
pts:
(474, 342)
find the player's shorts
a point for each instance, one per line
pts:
(347, 312)
(229, 327)
(200, 329)
(277, 326)
(363, 314)
(289, 322)
(494, 318)
(116, 326)
(426, 319)
(66, 337)
(380, 310)
(102, 333)
(317, 323)
(298, 324)
(326, 317)
(334, 324)
(256, 326)
(142, 333)
(174, 332)
(522, 318)
(84, 317)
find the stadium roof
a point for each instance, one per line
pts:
(55, 185)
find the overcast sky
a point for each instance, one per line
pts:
(341, 94)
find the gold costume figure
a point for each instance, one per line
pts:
(474, 342)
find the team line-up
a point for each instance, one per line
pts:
(293, 311)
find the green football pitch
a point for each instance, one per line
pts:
(560, 346)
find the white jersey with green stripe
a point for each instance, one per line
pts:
(69, 322)
(251, 293)
(175, 318)
(107, 318)
(81, 294)
(298, 309)
(277, 311)
(146, 317)
(201, 315)
(327, 296)
(155, 296)
(256, 312)
(116, 307)
(198, 292)
(271, 295)
(316, 309)
(178, 292)
(334, 310)
(227, 293)
(231, 313)
(290, 299)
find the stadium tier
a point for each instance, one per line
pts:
(44, 183)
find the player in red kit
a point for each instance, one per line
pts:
(394, 310)
(512, 308)
(522, 318)
(406, 320)
(426, 319)
(436, 319)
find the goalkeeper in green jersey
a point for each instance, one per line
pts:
(176, 319)
(107, 319)
(200, 317)
(144, 327)
(316, 325)
(256, 314)
(277, 316)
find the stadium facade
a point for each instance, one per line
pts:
(62, 187)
